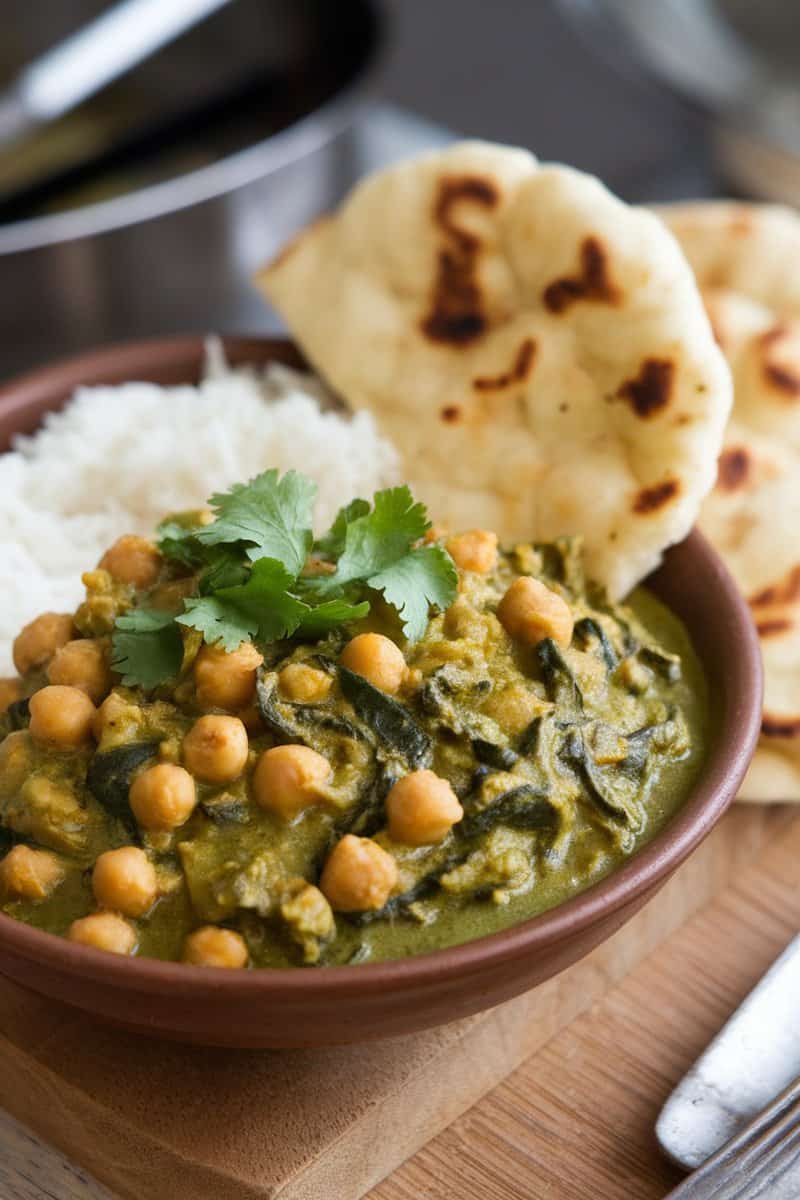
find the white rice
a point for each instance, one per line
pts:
(116, 459)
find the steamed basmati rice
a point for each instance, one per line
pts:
(116, 459)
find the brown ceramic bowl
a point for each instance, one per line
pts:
(346, 1004)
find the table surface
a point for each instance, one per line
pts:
(576, 1121)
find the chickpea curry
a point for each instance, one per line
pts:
(250, 747)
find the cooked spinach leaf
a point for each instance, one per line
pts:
(391, 723)
(502, 758)
(368, 814)
(529, 739)
(562, 686)
(586, 629)
(611, 792)
(226, 809)
(668, 666)
(109, 777)
(524, 807)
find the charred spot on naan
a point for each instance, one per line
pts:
(518, 372)
(591, 282)
(451, 414)
(774, 627)
(780, 727)
(456, 313)
(780, 375)
(785, 591)
(649, 393)
(651, 499)
(733, 468)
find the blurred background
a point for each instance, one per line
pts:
(137, 197)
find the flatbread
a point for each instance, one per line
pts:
(746, 260)
(535, 348)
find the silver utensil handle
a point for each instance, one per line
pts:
(103, 50)
(762, 1161)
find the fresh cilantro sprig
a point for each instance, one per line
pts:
(264, 609)
(378, 549)
(251, 582)
(270, 517)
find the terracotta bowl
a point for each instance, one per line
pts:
(281, 1008)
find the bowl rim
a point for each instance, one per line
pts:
(732, 746)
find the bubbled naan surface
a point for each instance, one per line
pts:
(535, 348)
(747, 262)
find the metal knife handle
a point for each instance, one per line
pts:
(762, 1161)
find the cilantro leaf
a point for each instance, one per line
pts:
(326, 616)
(226, 566)
(378, 548)
(219, 566)
(271, 516)
(262, 609)
(147, 648)
(427, 576)
(178, 543)
(332, 544)
(377, 539)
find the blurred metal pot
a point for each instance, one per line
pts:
(177, 253)
(736, 59)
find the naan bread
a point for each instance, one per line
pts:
(746, 260)
(535, 348)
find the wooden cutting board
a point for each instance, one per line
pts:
(154, 1120)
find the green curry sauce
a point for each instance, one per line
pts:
(565, 762)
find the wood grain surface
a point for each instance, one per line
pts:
(576, 1119)
(575, 1122)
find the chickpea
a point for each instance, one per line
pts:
(116, 714)
(82, 664)
(170, 595)
(215, 749)
(376, 658)
(16, 760)
(10, 690)
(61, 716)
(304, 684)
(317, 566)
(358, 875)
(125, 880)
(39, 640)
(531, 612)
(287, 779)
(422, 808)
(104, 931)
(132, 560)
(163, 797)
(211, 946)
(226, 680)
(30, 874)
(475, 550)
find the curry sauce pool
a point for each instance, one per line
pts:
(252, 748)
